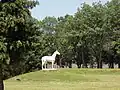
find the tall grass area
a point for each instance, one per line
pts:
(67, 79)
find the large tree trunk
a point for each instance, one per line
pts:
(91, 64)
(79, 60)
(70, 64)
(111, 65)
(99, 62)
(84, 64)
(1, 78)
(79, 64)
(111, 61)
(118, 65)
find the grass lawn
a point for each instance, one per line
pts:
(67, 79)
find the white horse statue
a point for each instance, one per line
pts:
(51, 59)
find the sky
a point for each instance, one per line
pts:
(58, 8)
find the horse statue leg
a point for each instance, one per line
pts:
(45, 64)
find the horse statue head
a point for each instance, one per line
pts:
(57, 52)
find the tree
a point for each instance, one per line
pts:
(3, 58)
(16, 32)
(112, 24)
(63, 38)
(92, 20)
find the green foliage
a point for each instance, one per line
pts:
(2, 52)
(18, 30)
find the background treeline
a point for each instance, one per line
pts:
(89, 37)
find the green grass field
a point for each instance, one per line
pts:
(67, 79)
